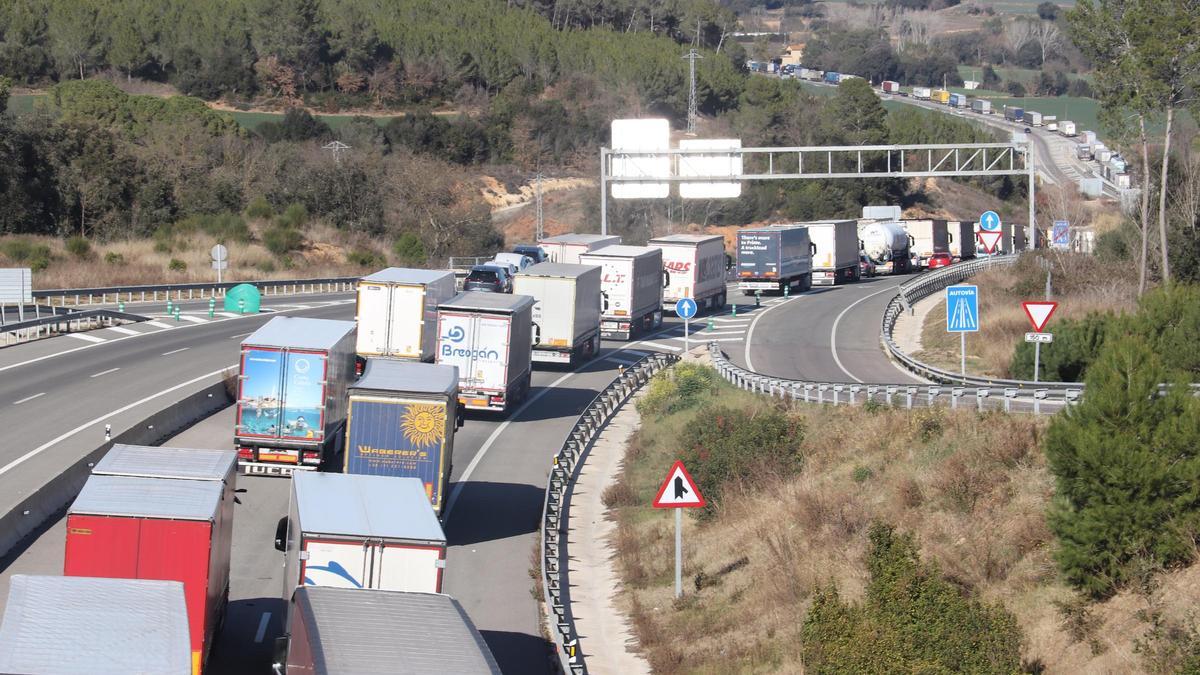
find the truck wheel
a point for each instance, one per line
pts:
(806, 285)
(748, 294)
(720, 304)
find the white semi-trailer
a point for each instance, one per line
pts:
(566, 310)
(835, 251)
(886, 244)
(397, 312)
(566, 248)
(695, 268)
(631, 286)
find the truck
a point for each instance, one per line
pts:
(1032, 118)
(1014, 114)
(566, 248)
(886, 244)
(566, 311)
(890, 87)
(1089, 137)
(1083, 151)
(835, 251)
(488, 336)
(928, 237)
(291, 404)
(957, 101)
(774, 258)
(940, 96)
(1013, 239)
(1103, 154)
(397, 312)
(356, 531)
(631, 289)
(401, 421)
(335, 631)
(1050, 122)
(881, 212)
(695, 266)
(98, 626)
(832, 77)
(982, 106)
(961, 238)
(922, 93)
(132, 527)
(1092, 187)
(1067, 128)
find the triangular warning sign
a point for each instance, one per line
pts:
(1039, 313)
(989, 240)
(679, 491)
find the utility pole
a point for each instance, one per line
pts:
(337, 148)
(538, 217)
(693, 113)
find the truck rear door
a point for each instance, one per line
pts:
(302, 413)
(339, 564)
(374, 307)
(408, 568)
(406, 322)
(681, 265)
(260, 392)
(478, 345)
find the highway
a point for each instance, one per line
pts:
(500, 464)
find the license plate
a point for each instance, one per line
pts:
(551, 357)
(609, 325)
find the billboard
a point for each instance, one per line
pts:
(715, 164)
(282, 394)
(653, 134)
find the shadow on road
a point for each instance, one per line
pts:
(519, 652)
(487, 511)
(246, 641)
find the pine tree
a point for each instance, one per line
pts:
(1127, 467)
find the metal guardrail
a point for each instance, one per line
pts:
(151, 293)
(910, 292)
(1009, 399)
(32, 329)
(555, 586)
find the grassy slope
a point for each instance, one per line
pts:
(973, 488)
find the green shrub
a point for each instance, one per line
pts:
(282, 240)
(365, 257)
(114, 258)
(679, 388)
(259, 208)
(26, 253)
(79, 247)
(1076, 344)
(861, 474)
(729, 444)
(177, 265)
(266, 266)
(294, 216)
(911, 621)
(225, 227)
(1126, 462)
(409, 249)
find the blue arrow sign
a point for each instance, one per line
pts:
(962, 309)
(989, 221)
(685, 308)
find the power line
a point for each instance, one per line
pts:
(337, 148)
(693, 113)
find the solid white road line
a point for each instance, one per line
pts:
(193, 319)
(262, 627)
(85, 338)
(159, 324)
(754, 323)
(28, 398)
(124, 331)
(229, 315)
(105, 372)
(67, 434)
(833, 331)
(659, 345)
(240, 335)
(176, 351)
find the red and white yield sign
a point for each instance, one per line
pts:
(1039, 313)
(989, 240)
(679, 491)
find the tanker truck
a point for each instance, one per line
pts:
(887, 245)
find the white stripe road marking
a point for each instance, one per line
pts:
(732, 322)
(736, 339)
(67, 434)
(750, 333)
(105, 372)
(659, 345)
(28, 398)
(833, 331)
(85, 338)
(240, 335)
(176, 351)
(193, 319)
(262, 627)
(700, 336)
(159, 324)
(125, 331)
(228, 315)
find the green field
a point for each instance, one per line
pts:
(1026, 76)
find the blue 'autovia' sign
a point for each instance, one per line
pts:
(962, 309)
(685, 308)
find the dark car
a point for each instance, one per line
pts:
(1028, 130)
(538, 253)
(940, 260)
(490, 278)
(866, 266)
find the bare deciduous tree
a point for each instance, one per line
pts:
(1048, 37)
(1017, 34)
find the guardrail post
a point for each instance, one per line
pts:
(932, 393)
(980, 395)
(1038, 396)
(871, 391)
(837, 389)
(821, 389)
(955, 394)
(909, 393)
(1009, 394)
(891, 393)
(1071, 396)
(854, 389)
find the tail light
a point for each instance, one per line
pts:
(245, 453)
(496, 398)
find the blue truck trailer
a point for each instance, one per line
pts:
(400, 422)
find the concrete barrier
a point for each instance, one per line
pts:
(48, 500)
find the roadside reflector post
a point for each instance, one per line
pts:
(120, 305)
(735, 309)
(241, 305)
(170, 308)
(758, 298)
(177, 313)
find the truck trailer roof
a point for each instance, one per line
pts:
(684, 238)
(157, 462)
(94, 625)
(772, 228)
(406, 275)
(488, 302)
(408, 376)
(294, 332)
(557, 270)
(138, 497)
(573, 238)
(621, 251)
(391, 632)
(367, 506)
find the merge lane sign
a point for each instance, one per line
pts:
(962, 309)
(679, 491)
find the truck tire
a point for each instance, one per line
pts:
(748, 294)
(806, 284)
(719, 305)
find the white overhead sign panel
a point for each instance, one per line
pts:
(640, 135)
(715, 164)
(16, 285)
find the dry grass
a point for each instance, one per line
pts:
(973, 488)
(1080, 284)
(145, 261)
